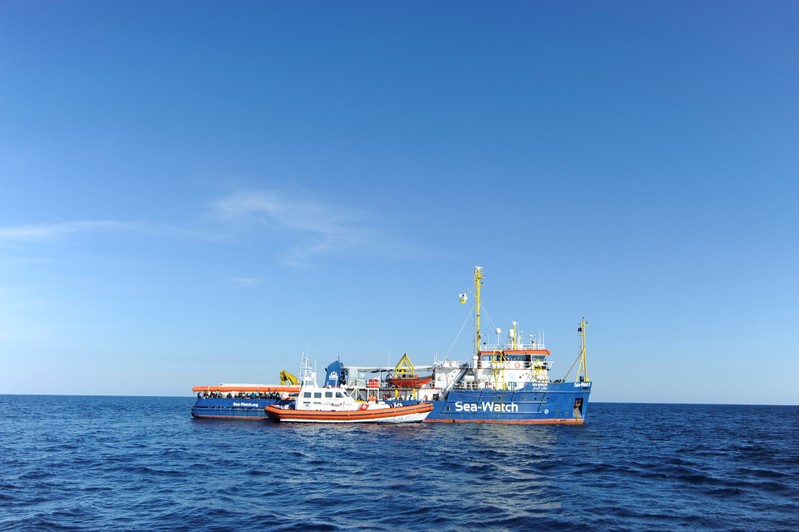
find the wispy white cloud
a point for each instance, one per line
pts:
(299, 227)
(32, 233)
(41, 232)
(313, 227)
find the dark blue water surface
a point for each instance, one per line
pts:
(142, 463)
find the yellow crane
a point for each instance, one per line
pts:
(288, 378)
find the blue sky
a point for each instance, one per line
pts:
(198, 192)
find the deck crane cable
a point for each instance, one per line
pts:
(572, 366)
(488, 317)
(471, 311)
(459, 332)
(490, 321)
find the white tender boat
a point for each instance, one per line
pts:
(328, 404)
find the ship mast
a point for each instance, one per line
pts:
(478, 282)
(583, 364)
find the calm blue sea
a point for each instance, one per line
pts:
(142, 463)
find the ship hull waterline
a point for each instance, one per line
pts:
(404, 414)
(226, 408)
(553, 404)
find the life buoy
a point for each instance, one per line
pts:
(518, 365)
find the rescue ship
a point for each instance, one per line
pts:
(505, 383)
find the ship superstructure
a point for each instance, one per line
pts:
(503, 383)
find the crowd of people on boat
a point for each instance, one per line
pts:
(238, 395)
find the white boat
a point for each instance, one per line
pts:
(332, 404)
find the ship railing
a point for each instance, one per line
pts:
(510, 364)
(509, 346)
(358, 383)
(456, 381)
(465, 386)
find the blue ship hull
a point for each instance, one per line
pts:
(226, 408)
(552, 403)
